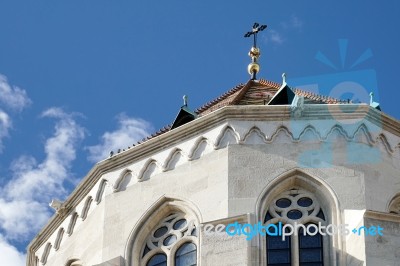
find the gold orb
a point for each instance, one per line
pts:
(253, 67)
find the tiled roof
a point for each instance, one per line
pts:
(252, 93)
(223, 100)
(317, 97)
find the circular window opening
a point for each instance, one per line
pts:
(180, 224)
(160, 231)
(294, 214)
(169, 240)
(305, 202)
(283, 203)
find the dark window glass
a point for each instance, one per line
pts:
(186, 255)
(157, 260)
(160, 231)
(146, 250)
(283, 203)
(194, 232)
(305, 202)
(268, 217)
(294, 214)
(310, 249)
(180, 224)
(321, 215)
(278, 251)
(169, 240)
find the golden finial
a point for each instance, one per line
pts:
(253, 68)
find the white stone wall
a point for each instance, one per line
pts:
(222, 172)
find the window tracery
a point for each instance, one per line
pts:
(172, 242)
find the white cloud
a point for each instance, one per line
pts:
(5, 125)
(275, 37)
(286, 28)
(24, 200)
(129, 131)
(9, 255)
(13, 97)
(294, 23)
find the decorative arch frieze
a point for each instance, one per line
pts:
(100, 190)
(59, 237)
(86, 207)
(122, 179)
(254, 136)
(46, 253)
(72, 223)
(150, 167)
(227, 136)
(173, 158)
(200, 146)
(282, 130)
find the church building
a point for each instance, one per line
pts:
(265, 174)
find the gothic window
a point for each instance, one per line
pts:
(305, 248)
(172, 242)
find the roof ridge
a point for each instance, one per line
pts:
(269, 83)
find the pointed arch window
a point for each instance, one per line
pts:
(172, 242)
(305, 248)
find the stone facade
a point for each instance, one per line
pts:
(231, 166)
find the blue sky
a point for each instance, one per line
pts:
(79, 78)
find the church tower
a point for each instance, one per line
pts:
(265, 174)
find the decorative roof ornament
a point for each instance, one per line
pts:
(284, 79)
(57, 205)
(253, 68)
(185, 115)
(372, 103)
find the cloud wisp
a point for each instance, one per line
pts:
(24, 199)
(12, 98)
(293, 23)
(5, 125)
(128, 131)
(278, 35)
